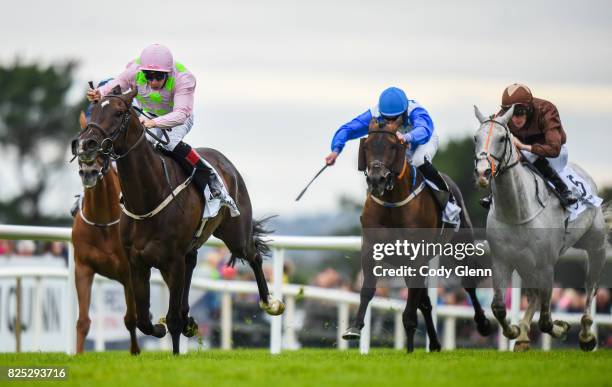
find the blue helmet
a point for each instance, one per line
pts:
(392, 102)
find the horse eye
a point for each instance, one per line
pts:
(118, 113)
(502, 139)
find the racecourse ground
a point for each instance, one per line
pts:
(324, 368)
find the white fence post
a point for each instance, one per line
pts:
(343, 322)
(276, 322)
(546, 342)
(364, 340)
(399, 333)
(38, 314)
(289, 324)
(71, 303)
(449, 340)
(226, 320)
(99, 297)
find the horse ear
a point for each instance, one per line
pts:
(394, 126)
(479, 115)
(116, 90)
(507, 115)
(373, 124)
(400, 158)
(82, 120)
(129, 95)
(361, 162)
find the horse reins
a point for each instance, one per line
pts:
(414, 192)
(491, 158)
(122, 128)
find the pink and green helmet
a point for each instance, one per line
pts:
(156, 58)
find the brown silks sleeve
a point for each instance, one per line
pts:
(554, 136)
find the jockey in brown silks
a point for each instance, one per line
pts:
(166, 90)
(539, 137)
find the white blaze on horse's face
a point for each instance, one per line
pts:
(489, 143)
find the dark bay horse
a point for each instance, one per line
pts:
(97, 243)
(160, 230)
(406, 204)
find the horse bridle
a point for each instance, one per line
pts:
(378, 163)
(502, 160)
(108, 150)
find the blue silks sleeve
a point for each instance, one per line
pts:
(422, 125)
(357, 127)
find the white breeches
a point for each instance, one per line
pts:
(557, 163)
(175, 135)
(423, 152)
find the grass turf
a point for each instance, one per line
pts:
(313, 367)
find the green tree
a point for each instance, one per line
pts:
(36, 123)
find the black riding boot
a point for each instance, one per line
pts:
(543, 166)
(204, 175)
(432, 174)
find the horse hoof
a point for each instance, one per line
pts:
(484, 327)
(513, 333)
(589, 344)
(435, 347)
(562, 324)
(521, 346)
(352, 333)
(191, 327)
(273, 307)
(135, 352)
(563, 328)
(159, 330)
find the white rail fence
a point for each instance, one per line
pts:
(288, 292)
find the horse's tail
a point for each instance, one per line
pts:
(607, 211)
(259, 232)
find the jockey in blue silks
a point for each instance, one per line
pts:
(417, 131)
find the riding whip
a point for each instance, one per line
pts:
(311, 181)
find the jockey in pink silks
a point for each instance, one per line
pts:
(166, 89)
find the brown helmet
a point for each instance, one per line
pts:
(516, 93)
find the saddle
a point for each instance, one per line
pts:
(185, 166)
(551, 189)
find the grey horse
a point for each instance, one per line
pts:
(527, 231)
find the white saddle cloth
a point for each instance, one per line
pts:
(451, 212)
(583, 191)
(213, 206)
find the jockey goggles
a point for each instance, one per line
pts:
(519, 110)
(155, 75)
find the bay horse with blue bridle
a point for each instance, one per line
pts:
(528, 230)
(161, 225)
(97, 243)
(398, 198)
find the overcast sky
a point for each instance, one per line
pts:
(277, 78)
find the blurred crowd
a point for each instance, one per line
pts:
(25, 248)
